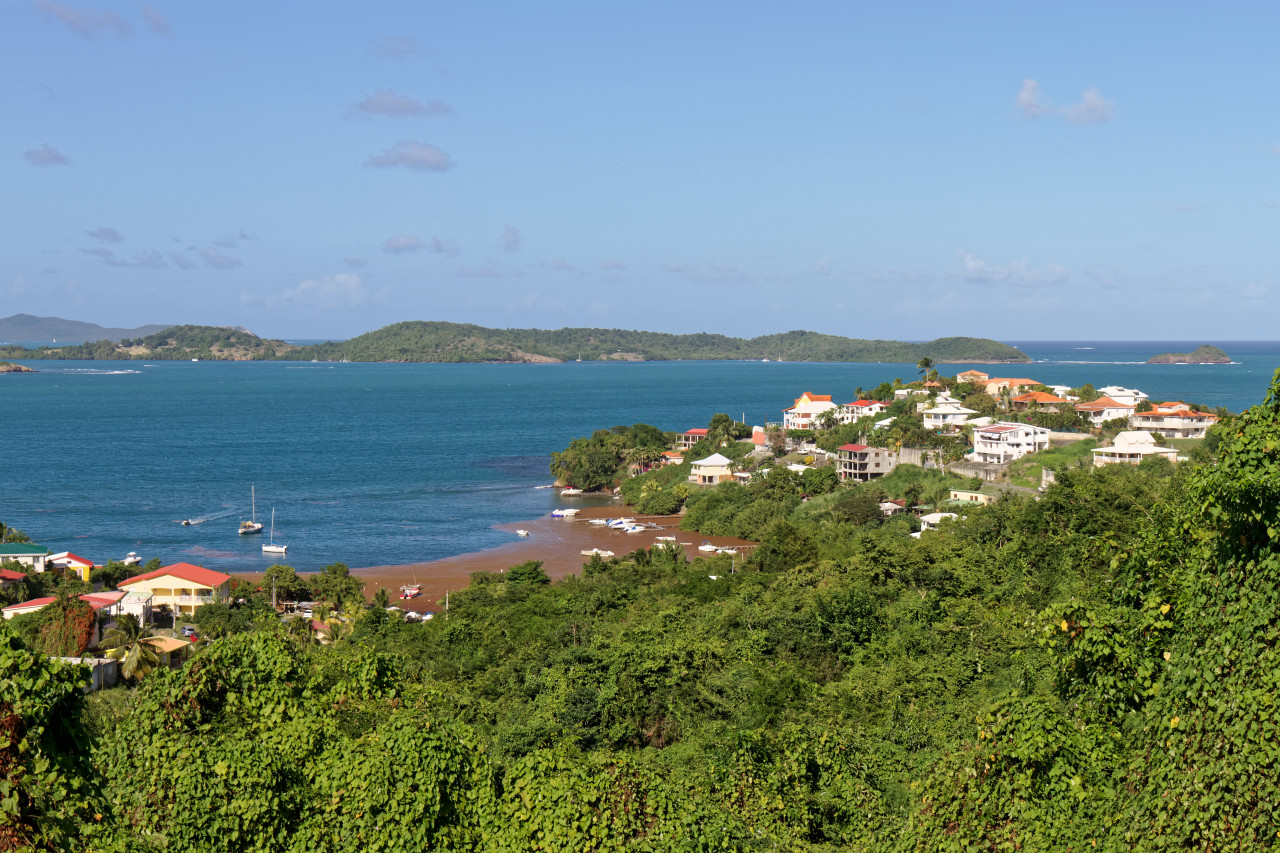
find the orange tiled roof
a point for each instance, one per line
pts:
(185, 571)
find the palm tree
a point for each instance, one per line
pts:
(381, 599)
(925, 364)
(299, 628)
(12, 535)
(127, 643)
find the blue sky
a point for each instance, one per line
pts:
(907, 171)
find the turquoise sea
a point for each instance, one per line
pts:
(376, 464)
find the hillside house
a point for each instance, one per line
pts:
(182, 586)
(947, 417)
(1004, 442)
(1173, 423)
(716, 468)
(969, 496)
(805, 412)
(1104, 409)
(1123, 396)
(26, 554)
(998, 385)
(973, 377)
(858, 409)
(1037, 401)
(690, 437)
(1130, 448)
(65, 561)
(859, 463)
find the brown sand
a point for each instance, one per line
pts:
(557, 542)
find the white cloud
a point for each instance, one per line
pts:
(511, 238)
(182, 261)
(150, 260)
(401, 243)
(977, 271)
(235, 239)
(412, 155)
(386, 102)
(613, 265)
(46, 155)
(1029, 100)
(1092, 109)
(330, 292)
(357, 263)
(84, 21)
(106, 235)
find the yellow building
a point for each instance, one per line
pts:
(182, 586)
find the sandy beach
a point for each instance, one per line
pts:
(557, 542)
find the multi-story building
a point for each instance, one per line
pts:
(1130, 448)
(182, 586)
(1104, 409)
(1004, 442)
(1173, 422)
(804, 413)
(860, 463)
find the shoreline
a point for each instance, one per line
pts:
(557, 542)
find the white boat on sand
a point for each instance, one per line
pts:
(522, 533)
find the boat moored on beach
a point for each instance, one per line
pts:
(409, 591)
(570, 493)
(522, 533)
(597, 552)
(563, 513)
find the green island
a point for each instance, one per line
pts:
(1090, 667)
(10, 367)
(419, 341)
(1203, 354)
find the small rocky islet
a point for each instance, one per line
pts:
(1204, 354)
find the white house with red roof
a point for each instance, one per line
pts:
(806, 410)
(690, 437)
(65, 561)
(105, 604)
(1004, 442)
(182, 586)
(860, 463)
(858, 409)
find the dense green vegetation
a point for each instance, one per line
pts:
(419, 341)
(180, 343)
(1203, 354)
(438, 341)
(1093, 669)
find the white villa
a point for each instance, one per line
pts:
(806, 410)
(1104, 409)
(1004, 442)
(1130, 448)
(1123, 396)
(1173, 420)
(852, 412)
(947, 417)
(716, 468)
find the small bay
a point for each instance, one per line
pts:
(378, 464)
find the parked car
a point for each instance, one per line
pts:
(189, 632)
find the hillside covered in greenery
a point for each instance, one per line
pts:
(179, 343)
(453, 342)
(1092, 669)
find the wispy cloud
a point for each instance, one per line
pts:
(216, 260)
(613, 265)
(397, 47)
(46, 155)
(412, 155)
(439, 246)
(1093, 108)
(401, 244)
(106, 235)
(723, 275)
(386, 102)
(356, 263)
(823, 267)
(1030, 101)
(156, 19)
(234, 240)
(183, 261)
(977, 271)
(487, 271)
(327, 293)
(511, 238)
(561, 265)
(86, 22)
(141, 260)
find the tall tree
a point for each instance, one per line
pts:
(127, 643)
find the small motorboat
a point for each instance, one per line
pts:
(186, 522)
(409, 591)
(522, 533)
(732, 552)
(621, 523)
(563, 513)
(664, 538)
(706, 546)
(599, 520)
(596, 552)
(132, 560)
(570, 493)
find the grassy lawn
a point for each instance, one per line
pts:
(1026, 471)
(1184, 445)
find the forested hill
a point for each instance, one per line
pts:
(180, 343)
(27, 327)
(454, 342)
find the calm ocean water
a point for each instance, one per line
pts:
(374, 464)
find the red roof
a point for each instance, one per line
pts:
(186, 571)
(97, 601)
(71, 558)
(698, 431)
(998, 429)
(865, 403)
(854, 448)
(1102, 403)
(7, 575)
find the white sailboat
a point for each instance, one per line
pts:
(252, 525)
(270, 546)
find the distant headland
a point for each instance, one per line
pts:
(420, 341)
(10, 367)
(1203, 354)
